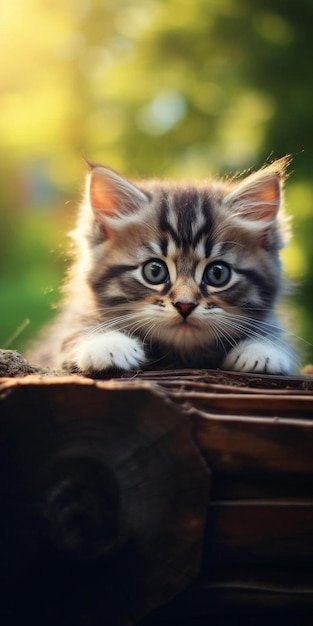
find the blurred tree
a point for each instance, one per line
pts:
(161, 88)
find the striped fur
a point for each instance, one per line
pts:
(115, 317)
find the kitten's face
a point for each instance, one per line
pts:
(184, 266)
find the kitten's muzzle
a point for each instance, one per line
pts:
(184, 308)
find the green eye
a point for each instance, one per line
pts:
(155, 272)
(217, 274)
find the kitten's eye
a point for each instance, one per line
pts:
(155, 272)
(217, 274)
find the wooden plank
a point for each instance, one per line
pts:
(268, 405)
(190, 385)
(239, 380)
(270, 532)
(260, 485)
(240, 444)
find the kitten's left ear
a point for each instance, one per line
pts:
(258, 198)
(111, 195)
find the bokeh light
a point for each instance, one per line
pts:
(161, 88)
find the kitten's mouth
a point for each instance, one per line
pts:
(183, 326)
(186, 324)
(185, 334)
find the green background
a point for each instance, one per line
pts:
(170, 88)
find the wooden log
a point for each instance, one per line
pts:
(130, 447)
(102, 472)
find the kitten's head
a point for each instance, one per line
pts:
(184, 265)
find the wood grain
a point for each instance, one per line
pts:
(186, 549)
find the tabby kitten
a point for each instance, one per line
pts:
(175, 274)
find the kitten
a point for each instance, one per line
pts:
(174, 274)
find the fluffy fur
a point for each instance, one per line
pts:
(174, 274)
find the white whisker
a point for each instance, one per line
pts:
(219, 335)
(266, 327)
(245, 330)
(119, 322)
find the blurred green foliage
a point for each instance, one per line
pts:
(159, 88)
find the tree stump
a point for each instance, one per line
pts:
(173, 497)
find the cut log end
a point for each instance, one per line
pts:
(81, 508)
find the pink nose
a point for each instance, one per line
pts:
(184, 308)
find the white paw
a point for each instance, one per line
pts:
(104, 351)
(259, 357)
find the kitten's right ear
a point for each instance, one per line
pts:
(110, 195)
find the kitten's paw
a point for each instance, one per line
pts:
(260, 357)
(104, 351)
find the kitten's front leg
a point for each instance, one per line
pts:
(259, 356)
(107, 350)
